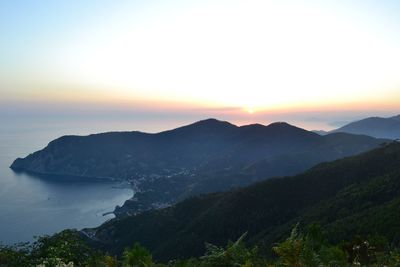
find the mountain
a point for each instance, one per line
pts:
(397, 118)
(320, 132)
(207, 156)
(374, 126)
(358, 195)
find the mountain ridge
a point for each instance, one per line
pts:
(377, 127)
(206, 156)
(349, 195)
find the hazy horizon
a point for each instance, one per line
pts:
(96, 121)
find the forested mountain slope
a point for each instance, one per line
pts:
(355, 195)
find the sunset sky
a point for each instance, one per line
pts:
(318, 61)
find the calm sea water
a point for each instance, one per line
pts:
(32, 206)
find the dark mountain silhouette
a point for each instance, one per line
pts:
(375, 127)
(357, 195)
(396, 118)
(206, 156)
(320, 132)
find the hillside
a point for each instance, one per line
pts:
(374, 126)
(207, 156)
(355, 195)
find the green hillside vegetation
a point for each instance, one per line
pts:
(309, 248)
(353, 196)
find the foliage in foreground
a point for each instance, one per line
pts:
(63, 249)
(308, 248)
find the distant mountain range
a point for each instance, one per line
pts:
(372, 126)
(357, 195)
(207, 156)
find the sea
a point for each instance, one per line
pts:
(33, 206)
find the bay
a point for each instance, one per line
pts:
(32, 206)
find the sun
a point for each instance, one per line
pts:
(250, 110)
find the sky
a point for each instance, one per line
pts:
(317, 64)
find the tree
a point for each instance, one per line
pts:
(138, 256)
